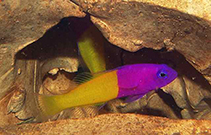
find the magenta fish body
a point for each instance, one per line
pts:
(139, 79)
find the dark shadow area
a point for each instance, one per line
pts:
(153, 112)
(169, 100)
(66, 74)
(208, 101)
(60, 40)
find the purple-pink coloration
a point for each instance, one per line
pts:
(139, 79)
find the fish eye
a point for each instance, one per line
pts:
(162, 74)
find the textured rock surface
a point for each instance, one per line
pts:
(114, 124)
(23, 22)
(199, 8)
(5, 117)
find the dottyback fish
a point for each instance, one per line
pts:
(133, 81)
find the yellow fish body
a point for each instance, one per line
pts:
(98, 90)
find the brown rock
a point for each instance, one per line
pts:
(23, 22)
(6, 118)
(114, 124)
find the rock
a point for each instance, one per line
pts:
(22, 23)
(114, 123)
(7, 118)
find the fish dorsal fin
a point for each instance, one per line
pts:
(99, 73)
(86, 76)
(83, 77)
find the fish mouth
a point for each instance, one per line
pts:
(157, 88)
(172, 76)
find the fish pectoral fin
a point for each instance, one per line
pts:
(133, 98)
(100, 105)
(86, 76)
(83, 77)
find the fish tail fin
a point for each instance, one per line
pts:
(47, 106)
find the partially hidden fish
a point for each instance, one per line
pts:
(91, 48)
(127, 81)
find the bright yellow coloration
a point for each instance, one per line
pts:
(98, 90)
(90, 45)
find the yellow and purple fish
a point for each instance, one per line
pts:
(133, 81)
